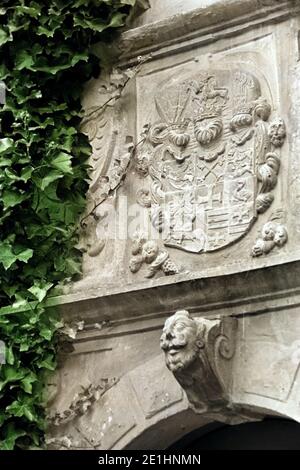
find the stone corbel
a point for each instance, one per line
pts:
(199, 353)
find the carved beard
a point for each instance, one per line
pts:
(181, 360)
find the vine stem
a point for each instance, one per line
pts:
(110, 192)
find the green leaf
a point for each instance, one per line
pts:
(24, 60)
(99, 25)
(21, 408)
(46, 333)
(10, 374)
(53, 175)
(8, 257)
(5, 144)
(25, 255)
(34, 10)
(73, 266)
(63, 162)
(27, 381)
(12, 198)
(12, 433)
(4, 37)
(47, 363)
(49, 33)
(40, 289)
(5, 162)
(9, 356)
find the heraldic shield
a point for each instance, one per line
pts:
(211, 158)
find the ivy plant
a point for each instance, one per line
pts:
(45, 58)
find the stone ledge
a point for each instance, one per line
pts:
(206, 24)
(248, 292)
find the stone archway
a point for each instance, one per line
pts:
(145, 409)
(234, 381)
(269, 434)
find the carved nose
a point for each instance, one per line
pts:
(163, 344)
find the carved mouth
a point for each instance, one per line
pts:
(176, 349)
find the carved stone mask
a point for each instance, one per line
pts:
(180, 341)
(268, 231)
(280, 236)
(277, 132)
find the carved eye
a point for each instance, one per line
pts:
(170, 336)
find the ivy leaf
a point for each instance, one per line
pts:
(26, 173)
(46, 333)
(9, 356)
(34, 10)
(98, 24)
(24, 60)
(48, 362)
(25, 255)
(40, 289)
(5, 144)
(8, 257)
(5, 162)
(53, 175)
(11, 435)
(12, 198)
(22, 408)
(27, 381)
(63, 162)
(10, 374)
(49, 33)
(73, 266)
(4, 37)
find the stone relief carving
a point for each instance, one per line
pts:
(193, 349)
(277, 132)
(81, 402)
(100, 189)
(59, 443)
(148, 252)
(143, 197)
(211, 159)
(273, 234)
(112, 152)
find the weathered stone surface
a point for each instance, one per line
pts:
(267, 362)
(155, 390)
(163, 9)
(201, 133)
(194, 351)
(208, 171)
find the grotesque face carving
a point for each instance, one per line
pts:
(180, 341)
(280, 236)
(268, 231)
(277, 132)
(276, 232)
(149, 251)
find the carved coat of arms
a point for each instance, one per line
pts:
(211, 158)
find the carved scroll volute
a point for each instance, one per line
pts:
(221, 349)
(198, 352)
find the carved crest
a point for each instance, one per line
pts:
(211, 158)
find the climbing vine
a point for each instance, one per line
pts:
(46, 56)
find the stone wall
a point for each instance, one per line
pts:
(193, 205)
